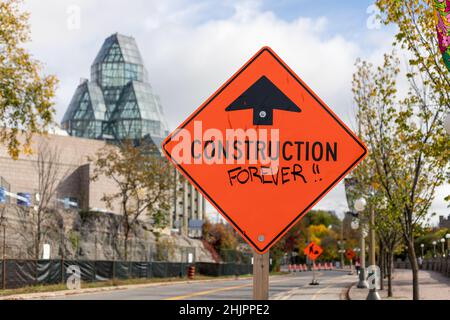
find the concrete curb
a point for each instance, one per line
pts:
(347, 293)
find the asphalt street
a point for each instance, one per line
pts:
(332, 286)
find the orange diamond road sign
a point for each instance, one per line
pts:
(264, 149)
(313, 251)
(350, 254)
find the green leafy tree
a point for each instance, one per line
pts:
(408, 149)
(144, 183)
(388, 229)
(26, 97)
(415, 20)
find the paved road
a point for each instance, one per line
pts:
(333, 285)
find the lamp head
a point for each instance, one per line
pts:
(360, 204)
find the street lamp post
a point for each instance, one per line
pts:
(434, 249)
(373, 293)
(341, 251)
(443, 247)
(3, 225)
(447, 123)
(447, 236)
(357, 251)
(360, 205)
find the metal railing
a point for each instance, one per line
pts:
(440, 264)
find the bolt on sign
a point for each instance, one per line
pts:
(264, 149)
(350, 254)
(313, 251)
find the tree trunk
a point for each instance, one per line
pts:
(381, 265)
(38, 236)
(125, 245)
(414, 268)
(386, 258)
(389, 271)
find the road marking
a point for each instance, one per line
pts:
(330, 285)
(288, 294)
(203, 293)
(330, 282)
(318, 292)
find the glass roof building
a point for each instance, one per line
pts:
(118, 103)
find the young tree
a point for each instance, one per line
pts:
(408, 149)
(143, 180)
(50, 175)
(40, 220)
(388, 230)
(26, 105)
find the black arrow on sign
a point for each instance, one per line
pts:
(263, 97)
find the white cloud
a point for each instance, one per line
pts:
(191, 49)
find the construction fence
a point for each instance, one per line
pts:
(21, 273)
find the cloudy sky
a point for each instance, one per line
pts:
(192, 47)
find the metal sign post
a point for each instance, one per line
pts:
(312, 252)
(314, 282)
(261, 276)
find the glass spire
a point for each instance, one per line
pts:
(118, 103)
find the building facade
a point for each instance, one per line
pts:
(69, 158)
(444, 222)
(118, 103)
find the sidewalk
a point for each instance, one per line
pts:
(432, 286)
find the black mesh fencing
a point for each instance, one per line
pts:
(21, 273)
(50, 272)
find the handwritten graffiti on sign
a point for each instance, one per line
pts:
(264, 149)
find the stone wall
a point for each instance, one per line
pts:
(88, 235)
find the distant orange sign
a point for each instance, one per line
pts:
(350, 254)
(313, 251)
(264, 149)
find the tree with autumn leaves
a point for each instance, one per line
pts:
(317, 226)
(26, 96)
(408, 148)
(144, 183)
